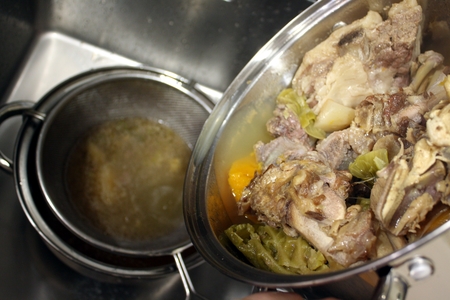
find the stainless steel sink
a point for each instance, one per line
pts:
(45, 42)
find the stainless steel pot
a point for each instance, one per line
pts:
(244, 108)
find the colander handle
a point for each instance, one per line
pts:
(6, 111)
(191, 294)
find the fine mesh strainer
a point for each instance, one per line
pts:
(54, 126)
(114, 94)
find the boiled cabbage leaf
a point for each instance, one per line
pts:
(271, 249)
(367, 165)
(306, 116)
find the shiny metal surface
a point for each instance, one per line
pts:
(17, 108)
(48, 41)
(97, 97)
(54, 124)
(191, 293)
(226, 137)
(33, 251)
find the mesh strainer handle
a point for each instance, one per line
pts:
(6, 111)
(191, 294)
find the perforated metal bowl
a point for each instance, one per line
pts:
(49, 132)
(107, 96)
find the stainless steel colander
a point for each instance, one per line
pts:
(112, 95)
(63, 116)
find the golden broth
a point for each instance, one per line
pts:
(126, 178)
(244, 129)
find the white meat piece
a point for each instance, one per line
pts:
(368, 56)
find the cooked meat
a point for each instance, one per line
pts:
(290, 139)
(311, 77)
(355, 240)
(438, 130)
(438, 126)
(316, 189)
(411, 185)
(268, 154)
(336, 150)
(408, 188)
(429, 61)
(360, 141)
(268, 197)
(368, 56)
(307, 197)
(387, 114)
(351, 239)
(286, 123)
(395, 43)
(400, 101)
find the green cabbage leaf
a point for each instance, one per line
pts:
(367, 165)
(271, 249)
(306, 116)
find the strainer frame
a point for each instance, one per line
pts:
(85, 82)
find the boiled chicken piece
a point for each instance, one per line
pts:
(291, 142)
(409, 187)
(311, 77)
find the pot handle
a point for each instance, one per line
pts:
(397, 279)
(391, 286)
(9, 110)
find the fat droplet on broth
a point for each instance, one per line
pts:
(126, 178)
